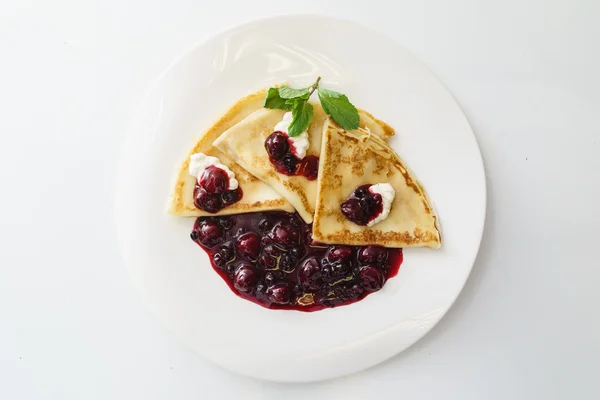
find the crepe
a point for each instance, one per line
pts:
(244, 143)
(257, 196)
(353, 158)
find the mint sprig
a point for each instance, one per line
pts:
(335, 104)
(301, 116)
(289, 93)
(275, 102)
(339, 108)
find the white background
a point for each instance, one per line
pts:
(526, 326)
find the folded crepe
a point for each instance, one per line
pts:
(245, 144)
(257, 196)
(350, 159)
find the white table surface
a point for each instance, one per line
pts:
(526, 326)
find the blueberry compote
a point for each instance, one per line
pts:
(211, 193)
(283, 157)
(269, 258)
(362, 206)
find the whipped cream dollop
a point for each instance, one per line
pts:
(200, 161)
(387, 193)
(300, 143)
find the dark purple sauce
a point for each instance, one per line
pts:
(269, 258)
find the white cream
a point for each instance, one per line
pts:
(200, 161)
(387, 193)
(300, 142)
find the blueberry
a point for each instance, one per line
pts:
(214, 180)
(354, 290)
(219, 260)
(226, 222)
(326, 271)
(270, 278)
(208, 202)
(310, 167)
(248, 246)
(272, 250)
(279, 293)
(267, 262)
(245, 278)
(289, 163)
(277, 145)
(339, 253)
(339, 269)
(287, 263)
(309, 274)
(297, 252)
(209, 233)
(373, 255)
(285, 235)
(371, 205)
(372, 278)
(362, 191)
(227, 251)
(264, 225)
(231, 196)
(298, 289)
(352, 210)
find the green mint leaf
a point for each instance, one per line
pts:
(275, 102)
(302, 114)
(286, 92)
(339, 108)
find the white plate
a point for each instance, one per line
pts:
(174, 274)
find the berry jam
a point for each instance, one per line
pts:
(210, 192)
(269, 258)
(362, 206)
(282, 155)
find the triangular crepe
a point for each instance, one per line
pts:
(245, 143)
(257, 196)
(353, 158)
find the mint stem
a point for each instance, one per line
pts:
(314, 87)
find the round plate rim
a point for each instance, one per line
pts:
(195, 47)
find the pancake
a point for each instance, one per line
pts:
(245, 143)
(257, 196)
(350, 159)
